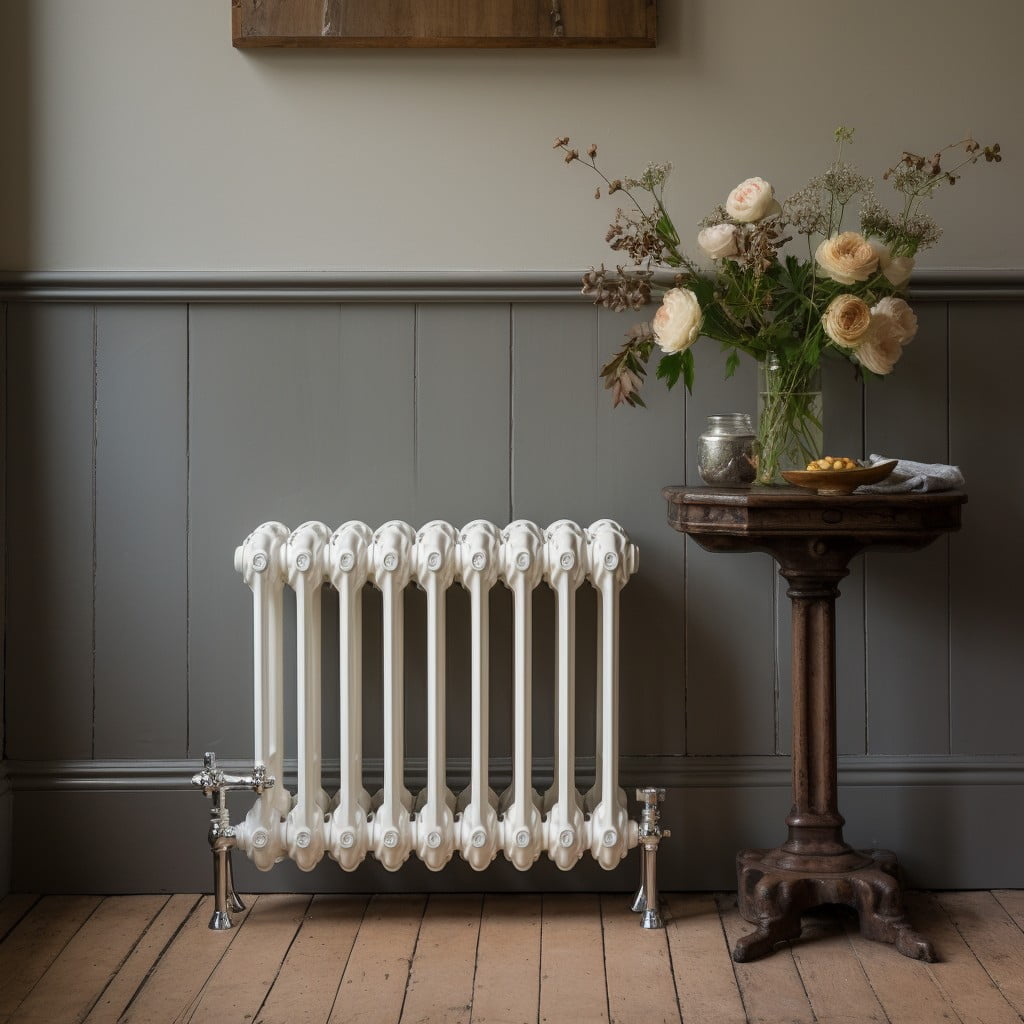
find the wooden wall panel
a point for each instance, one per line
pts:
(731, 675)
(496, 23)
(906, 599)
(141, 509)
(555, 476)
(639, 451)
(986, 558)
(463, 440)
(292, 415)
(49, 656)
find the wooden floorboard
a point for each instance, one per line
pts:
(507, 985)
(36, 942)
(572, 987)
(771, 988)
(470, 959)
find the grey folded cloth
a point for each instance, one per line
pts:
(914, 477)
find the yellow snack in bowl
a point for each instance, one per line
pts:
(831, 463)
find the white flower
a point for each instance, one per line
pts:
(881, 349)
(847, 320)
(718, 240)
(677, 322)
(752, 200)
(899, 314)
(847, 258)
(895, 269)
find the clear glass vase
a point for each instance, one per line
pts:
(789, 425)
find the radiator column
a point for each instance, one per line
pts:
(565, 569)
(391, 562)
(434, 570)
(613, 559)
(260, 560)
(479, 548)
(348, 568)
(304, 828)
(522, 569)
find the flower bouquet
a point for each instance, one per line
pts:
(785, 310)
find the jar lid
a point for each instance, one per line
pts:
(730, 423)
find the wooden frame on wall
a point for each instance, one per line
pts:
(444, 23)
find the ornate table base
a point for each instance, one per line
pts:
(812, 539)
(773, 897)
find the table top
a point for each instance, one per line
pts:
(793, 511)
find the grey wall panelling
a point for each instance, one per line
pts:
(730, 604)
(906, 597)
(986, 560)
(418, 409)
(638, 452)
(141, 507)
(49, 641)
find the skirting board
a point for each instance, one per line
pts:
(954, 833)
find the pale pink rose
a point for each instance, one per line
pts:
(752, 200)
(718, 241)
(847, 320)
(677, 322)
(903, 318)
(895, 269)
(847, 258)
(881, 349)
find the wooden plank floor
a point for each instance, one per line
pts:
(475, 959)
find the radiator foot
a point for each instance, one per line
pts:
(646, 901)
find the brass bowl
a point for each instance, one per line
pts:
(838, 481)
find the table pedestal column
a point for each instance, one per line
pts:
(815, 866)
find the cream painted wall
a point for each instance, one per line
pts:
(136, 138)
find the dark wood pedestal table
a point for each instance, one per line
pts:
(812, 538)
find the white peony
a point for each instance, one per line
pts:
(847, 258)
(899, 314)
(881, 349)
(895, 269)
(677, 322)
(718, 240)
(752, 200)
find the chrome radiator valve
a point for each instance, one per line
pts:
(215, 783)
(651, 833)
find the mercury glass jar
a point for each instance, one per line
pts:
(725, 451)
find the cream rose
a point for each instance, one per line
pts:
(847, 320)
(895, 269)
(847, 258)
(677, 322)
(899, 314)
(751, 200)
(881, 350)
(718, 240)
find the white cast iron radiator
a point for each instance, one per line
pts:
(521, 823)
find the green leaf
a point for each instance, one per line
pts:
(688, 370)
(666, 230)
(669, 369)
(732, 364)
